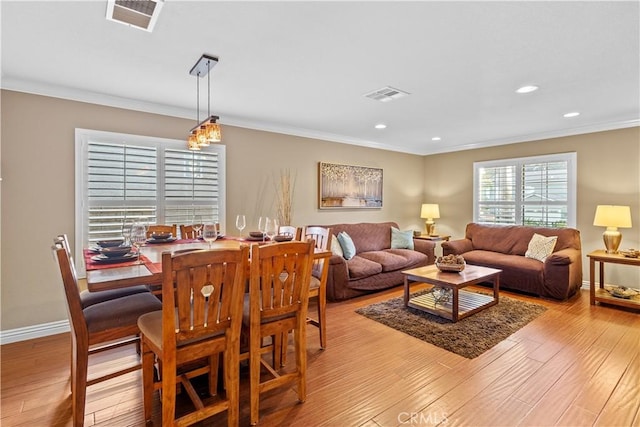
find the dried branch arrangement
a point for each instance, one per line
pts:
(285, 186)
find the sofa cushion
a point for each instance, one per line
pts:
(496, 238)
(388, 260)
(346, 243)
(336, 249)
(401, 239)
(412, 257)
(360, 267)
(518, 272)
(540, 247)
(367, 236)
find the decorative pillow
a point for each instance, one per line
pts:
(540, 247)
(336, 249)
(401, 239)
(346, 243)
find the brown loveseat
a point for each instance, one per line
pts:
(375, 266)
(504, 247)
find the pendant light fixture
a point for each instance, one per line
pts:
(207, 131)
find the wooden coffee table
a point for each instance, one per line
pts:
(447, 298)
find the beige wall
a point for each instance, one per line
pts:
(37, 197)
(608, 173)
(38, 187)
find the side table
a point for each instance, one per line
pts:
(432, 238)
(600, 294)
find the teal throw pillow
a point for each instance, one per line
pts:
(401, 239)
(346, 243)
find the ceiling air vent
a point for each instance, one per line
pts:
(141, 14)
(386, 94)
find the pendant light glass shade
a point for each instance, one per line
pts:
(202, 136)
(192, 142)
(213, 132)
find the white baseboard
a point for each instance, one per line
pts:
(35, 331)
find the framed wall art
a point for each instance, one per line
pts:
(347, 186)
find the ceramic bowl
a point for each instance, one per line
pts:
(110, 243)
(161, 236)
(116, 252)
(255, 234)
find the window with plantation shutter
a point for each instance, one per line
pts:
(133, 178)
(535, 191)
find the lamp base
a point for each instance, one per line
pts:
(612, 238)
(430, 228)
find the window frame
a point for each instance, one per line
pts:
(82, 139)
(570, 158)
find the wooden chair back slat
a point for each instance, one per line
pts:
(213, 271)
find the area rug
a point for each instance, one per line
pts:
(469, 337)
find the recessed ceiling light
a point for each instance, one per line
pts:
(380, 126)
(572, 114)
(436, 138)
(527, 89)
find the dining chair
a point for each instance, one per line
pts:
(96, 328)
(90, 298)
(158, 228)
(277, 303)
(318, 285)
(290, 230)
(202, 295)
(188, 232)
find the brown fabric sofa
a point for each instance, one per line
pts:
(375, 266)
(504, 247)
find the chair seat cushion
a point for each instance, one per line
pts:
(314, 283)
(246, 317)
(101, 317)
(150, 325)
(90, 298)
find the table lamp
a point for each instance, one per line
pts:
(429, 212)
(612, 217)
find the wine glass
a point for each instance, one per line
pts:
(138, 236)
(262, 225)
(241, 223)
(197, 225)
(272, 228)
(210, 233)
(126, 231)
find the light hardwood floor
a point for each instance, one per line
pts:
(575, 365)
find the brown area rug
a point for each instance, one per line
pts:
(469, 337)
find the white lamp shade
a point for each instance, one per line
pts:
(612, 216)
(430, 211)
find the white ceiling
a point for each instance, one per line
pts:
(302, 68)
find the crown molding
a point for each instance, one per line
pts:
(64, 92)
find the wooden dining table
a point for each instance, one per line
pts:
(106, 276)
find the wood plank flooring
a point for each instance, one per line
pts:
(575, 365)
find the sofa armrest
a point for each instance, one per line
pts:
(426, 247)
(457, 247)
(563, 273)
(337, 277)
(564, 257)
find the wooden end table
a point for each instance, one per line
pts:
(462, 303)
(600, 293)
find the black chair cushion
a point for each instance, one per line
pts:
(90, 298)
(100, 317)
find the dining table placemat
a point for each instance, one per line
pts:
(92, 265)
